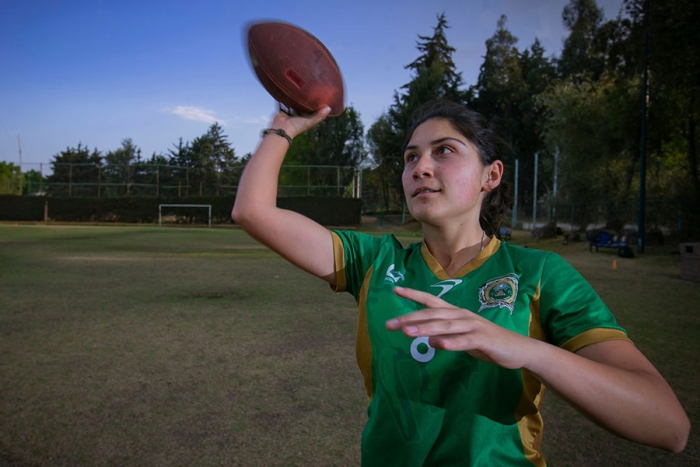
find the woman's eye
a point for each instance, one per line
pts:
(410, 158)
(443, 150)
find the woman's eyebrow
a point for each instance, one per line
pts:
(436, 142)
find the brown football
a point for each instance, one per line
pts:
(295, 68)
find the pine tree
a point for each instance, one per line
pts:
(119, 169)
(578, 58)
(434, 75)
(506, 94)
(436, 62)
(214, 161)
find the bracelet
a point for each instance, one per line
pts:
(278, 131)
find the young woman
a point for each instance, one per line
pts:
(458, 335)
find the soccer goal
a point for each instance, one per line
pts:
(160, 210)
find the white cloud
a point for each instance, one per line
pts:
(195, 113)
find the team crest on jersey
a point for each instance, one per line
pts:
(500, 292)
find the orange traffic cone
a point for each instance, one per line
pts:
(614, 264)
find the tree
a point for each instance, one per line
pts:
(337, 141)
(210, 162)
(216, 159)
(582, 18)
(119, 169)
(436, 56)
(9, 178)
(384, 137)
(506, 93)
(588, 122)
(179, 154)
(618, 54)
(434, 76)
(33, 183)
(538, 73)
(501, 89)
(673, 61)
(76, 172)
(178, 175)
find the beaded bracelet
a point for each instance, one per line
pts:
(278, 131)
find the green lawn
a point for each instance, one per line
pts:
(148, 346)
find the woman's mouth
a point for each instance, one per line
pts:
(424, 190)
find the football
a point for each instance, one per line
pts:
(295, 68)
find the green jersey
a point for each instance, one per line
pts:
(434, 407)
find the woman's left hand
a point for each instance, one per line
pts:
(451, 328)
(611, 382)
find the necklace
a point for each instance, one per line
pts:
(483, 236)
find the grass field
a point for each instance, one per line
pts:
(147, 346)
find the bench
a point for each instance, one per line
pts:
(619, 242)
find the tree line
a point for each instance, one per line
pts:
(578, 114)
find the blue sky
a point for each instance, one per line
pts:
(98, 71)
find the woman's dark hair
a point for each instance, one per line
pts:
(482, 134)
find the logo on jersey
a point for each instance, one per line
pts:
(446, 285)
(394, 276)
(421, 350)
(500, 292)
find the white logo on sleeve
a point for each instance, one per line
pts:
(393, 276)
(446, 285)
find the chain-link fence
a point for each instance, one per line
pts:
(82, 180)
(660, 214)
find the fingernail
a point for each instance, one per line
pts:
(393, 323)
(398, 287)
(411, 330)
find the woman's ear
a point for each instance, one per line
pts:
(493, 173)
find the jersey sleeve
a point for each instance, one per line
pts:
(571, 312)
(354, 255)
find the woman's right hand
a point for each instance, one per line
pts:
(295, 125)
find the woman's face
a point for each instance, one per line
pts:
(444, 179)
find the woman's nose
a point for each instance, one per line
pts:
(423, 167)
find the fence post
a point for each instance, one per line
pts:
(19, 144)
(573, 205)
(514, 221)
(534, 196)
(70, 180)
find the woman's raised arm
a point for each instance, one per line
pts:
(295, 237)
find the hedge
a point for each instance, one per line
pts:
(326, 211)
